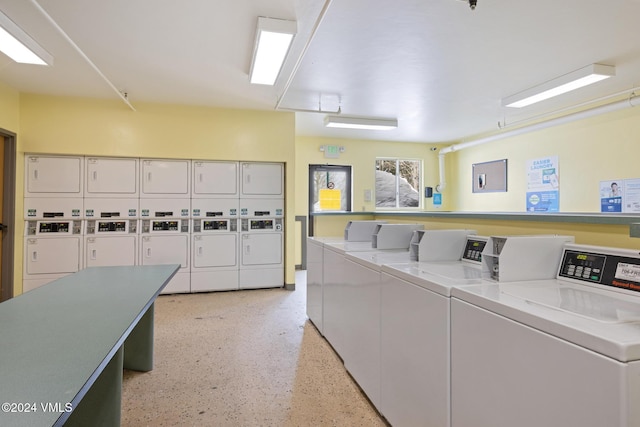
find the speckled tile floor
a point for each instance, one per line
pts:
(242, 358)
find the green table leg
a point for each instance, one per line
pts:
(138, 347)
(101, 405)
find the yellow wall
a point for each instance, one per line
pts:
(9, 108)
(81, 126)
(601, 148)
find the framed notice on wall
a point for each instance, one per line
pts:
(489, 177)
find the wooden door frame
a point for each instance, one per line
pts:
(8, 213)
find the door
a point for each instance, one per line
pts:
(111, 251)
(7, 209)
(215, 250)
(329, 190)
(261, 249)
(112, 177)
(165, 250)
(263, 180)
(215, 179)
(165, 177)
(51, 176)
(52, 256)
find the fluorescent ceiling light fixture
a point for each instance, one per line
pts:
(19, 46)
(585, 76)
(360, 123)
(273, 39)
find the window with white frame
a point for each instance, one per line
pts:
(398, 183)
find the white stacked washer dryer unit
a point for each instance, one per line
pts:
(214, 226)
(261, 225)
(165, 203)
(562, 351)
(111, 209)
(53, 207)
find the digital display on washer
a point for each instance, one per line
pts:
(610, 270)
(473, 250)
(165, 225)
(262, 224)
(54, 227)
(214, 225)
(106, 226)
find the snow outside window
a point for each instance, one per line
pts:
(398, 183)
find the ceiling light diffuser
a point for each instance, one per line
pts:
(585, 76)
(360, 123)
(19, 46)
(273, 40)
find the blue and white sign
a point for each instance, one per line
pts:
(543, 185)
(611, 196)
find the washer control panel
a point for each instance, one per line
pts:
(606, 269)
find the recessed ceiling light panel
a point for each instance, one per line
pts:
(19, 46)
(273, 40)
(563, 84)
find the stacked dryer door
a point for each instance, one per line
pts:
(53, 208)
(165, 212)
(111, 212)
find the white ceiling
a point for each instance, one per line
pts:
(437, 66)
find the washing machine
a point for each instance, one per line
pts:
(360, 318)
(165, 238)
(415, 321)
(261, 180)
(214, 179)
(354, 231)
(214, 239)
(261, 243)
(335, 289)
(558, 352)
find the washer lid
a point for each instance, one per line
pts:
(438, 277)
(375, 260)
(605, 321)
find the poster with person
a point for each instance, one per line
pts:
(611, 195)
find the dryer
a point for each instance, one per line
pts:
(52, 249)
(214, 251)
(261, 243)
(563, 351)
(415, 321)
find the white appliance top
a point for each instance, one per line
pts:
(438, 277)
(593, 309)
(343, 247)
(375, 260)
(322, 240)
